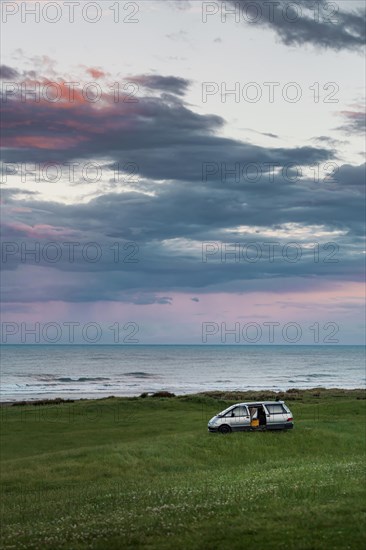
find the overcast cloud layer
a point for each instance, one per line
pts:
(187, 192)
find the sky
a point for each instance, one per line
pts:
(183, 172)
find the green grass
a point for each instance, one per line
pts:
(144, 473)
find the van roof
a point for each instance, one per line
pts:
(253, 403)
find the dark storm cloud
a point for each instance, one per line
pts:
(353, 176)
(266, 134)
(169, 84)
(168, 141)
(355, 122)
(161, 135)
(165, 225)
(320, 23)
(8, 73)
(145, 299)
(330, 141)
(269, 134)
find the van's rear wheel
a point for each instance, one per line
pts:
(224, 429)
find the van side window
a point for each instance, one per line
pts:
(276, 409)
(239, 411)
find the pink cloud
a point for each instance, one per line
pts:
(43, 142)
(39, 231)
(96, 73)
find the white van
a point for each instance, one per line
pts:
(260, 415)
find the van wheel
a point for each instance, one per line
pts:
(224, 429)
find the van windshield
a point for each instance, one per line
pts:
(222, 413)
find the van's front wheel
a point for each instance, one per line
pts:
(224, 429)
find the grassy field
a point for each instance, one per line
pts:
(144, 473)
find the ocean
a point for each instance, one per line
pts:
(79, 371)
